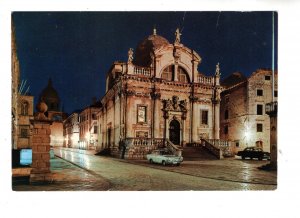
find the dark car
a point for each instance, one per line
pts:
(254, 152)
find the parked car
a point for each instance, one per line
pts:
(164, 157)
(254, 152)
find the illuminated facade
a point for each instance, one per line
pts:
(158, 98)
(71, 131)
(89, 127)
(243, 117)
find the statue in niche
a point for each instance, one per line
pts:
(130, 55)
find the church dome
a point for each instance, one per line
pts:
(50, 96)
(146, 47)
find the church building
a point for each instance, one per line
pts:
(54, 113)
(158, 99)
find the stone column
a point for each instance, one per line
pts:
(193, 117)
(217, 120)
(194, 125)
(156, 117)
(41, 146)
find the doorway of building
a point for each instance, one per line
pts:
(174, 132)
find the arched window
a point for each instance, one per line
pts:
(182, 75)
(167, 74)
(24, 108)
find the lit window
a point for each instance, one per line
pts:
(259, 127)
(259, 92)
(204, 117)
(141, 114)
(259, 109)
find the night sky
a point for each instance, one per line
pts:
(76, 49)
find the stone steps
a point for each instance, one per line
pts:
(197, 153)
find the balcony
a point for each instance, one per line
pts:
(271, 108)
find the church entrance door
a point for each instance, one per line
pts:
(174, 132)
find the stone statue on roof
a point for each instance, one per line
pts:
(218, 69)
(130, 55)
(177, 36)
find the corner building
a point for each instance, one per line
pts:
(158, 98)
(243, 117)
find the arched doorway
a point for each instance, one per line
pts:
(174, 132)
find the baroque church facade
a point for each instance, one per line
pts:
(158, 98)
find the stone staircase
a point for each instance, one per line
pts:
(197, 153)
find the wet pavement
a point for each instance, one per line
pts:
(227, 174)
(84, 171)
(65, 177)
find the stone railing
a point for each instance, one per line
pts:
(173, 148)
(223, 145)
(207, 80)
(157, 142)
(212, 148)
(138, 148)
(144, 71)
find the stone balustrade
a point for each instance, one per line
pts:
(174, 149)
(207, 80)
(144, 71)
(138, 148)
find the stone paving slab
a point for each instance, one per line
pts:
(234, 170)
(66, 177)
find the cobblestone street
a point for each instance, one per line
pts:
(91, 172)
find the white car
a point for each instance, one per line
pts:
(164, 157)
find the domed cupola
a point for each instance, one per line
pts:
(146, 47)
(50, 97)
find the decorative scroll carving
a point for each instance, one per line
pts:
(174, 105)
